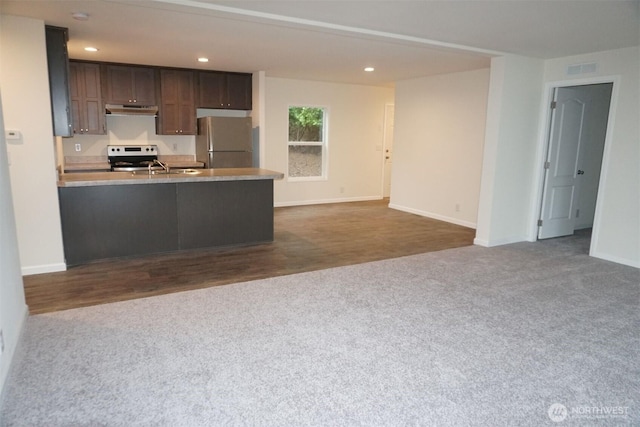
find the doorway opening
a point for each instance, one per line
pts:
(578, 122)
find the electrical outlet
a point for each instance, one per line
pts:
(457, 207)
(78, 147)
(341, 190)
(175, 147)
(1, 342)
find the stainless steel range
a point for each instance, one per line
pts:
(133, 157)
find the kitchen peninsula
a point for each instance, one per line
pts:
(120, 214)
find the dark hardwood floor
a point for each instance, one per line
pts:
(306, 238)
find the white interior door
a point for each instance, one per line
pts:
(388, 148)
(564, 170)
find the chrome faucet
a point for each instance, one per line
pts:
(164, 165)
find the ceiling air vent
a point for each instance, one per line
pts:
(575, 69)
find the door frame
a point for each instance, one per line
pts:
(543, 145)
(385, 124)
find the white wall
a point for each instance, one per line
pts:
(26, 105)
(509, 160)
(355, 137)
(616, 235)
(438, 141)
(13, 310)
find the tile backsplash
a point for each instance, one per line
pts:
(122, 130)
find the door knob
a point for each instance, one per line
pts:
(580, 172)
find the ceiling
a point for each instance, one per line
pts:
(330, 40)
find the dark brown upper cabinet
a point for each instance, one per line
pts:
(223, 90)
(130, 85)
(177, 115)
(87, 108)
(58, 68)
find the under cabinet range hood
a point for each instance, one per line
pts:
(131, 110)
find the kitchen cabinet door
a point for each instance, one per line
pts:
(221, 90)
(177, 115)
(211, 89)
(130, 85)
(239, 91)
(86, 98)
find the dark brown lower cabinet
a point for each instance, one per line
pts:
(113, 221)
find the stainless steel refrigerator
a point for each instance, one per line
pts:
(224, 142)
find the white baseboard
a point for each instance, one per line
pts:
(481, 242)
(46, 268)
(325, 201)
(617, 260)
(497, 242)
(434, 216)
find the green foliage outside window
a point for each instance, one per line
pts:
(305, 123)
(307, 145)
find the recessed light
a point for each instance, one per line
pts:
(80, 16)
(203, 59)
(369, 69)
(91, 49)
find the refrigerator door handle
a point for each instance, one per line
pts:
(209, 137)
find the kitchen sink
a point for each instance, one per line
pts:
(176, 171)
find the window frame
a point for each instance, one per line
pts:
(324, 144)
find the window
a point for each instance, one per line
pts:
(307, 142)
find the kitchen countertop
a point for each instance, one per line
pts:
(88, 179)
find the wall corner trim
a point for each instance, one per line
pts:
(13, 353)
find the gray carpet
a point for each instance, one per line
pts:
(469, 336)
